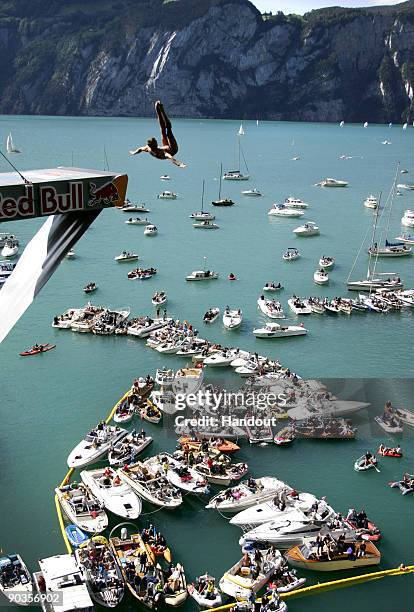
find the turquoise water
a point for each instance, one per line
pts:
(50, 401)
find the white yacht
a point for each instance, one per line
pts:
(150, 230)
(5, 237)
(275, 330)
(307, 229)
(167, 195)
(232, 319)
(271, 510)
(408, 218)
(10, 249)
(327, 262)
(116, 496)
(126, 256)
(330, 182)
(371, 202)
(202, 275)
(280, 210)
(251, 192)
(65, 585)
(299, 307)
(270, 308)
(128, 206)
(292, 202)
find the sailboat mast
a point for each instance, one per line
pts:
(374, 231)
(221, 172)
(239, 157)
(202, 198)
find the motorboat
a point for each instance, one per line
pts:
(408, 218)
(64, 583)
(292, 202)
(298, 306)
(221, 472)
(290, 254)
(165, 177)
(316, 305)
(65, 320)
(327, 262)
(291, 529)
(70, 254)
(127, 450)
(330, 182)
(307, 229)
(82, 507)
(151, 485)
(103, 575)
(150, 230)
(306, 556)
(371, 202)
(271, 510)
(280, 210)
(178, 474)
(159, 298)
(220, 358)
(125, 411)
(95, 444)
(272, 287)
(128, 206)
(211, 315)
(202, 216)
(127, 256)
(405, 416)
(149, 412)
(390, 424)
(204, 591)
(232, 318)
(137, 221)
(188, 380)
(15, 580)
(116, 495)
(202, 275)
(90, 287)
(320, 277)
(246, 494)
(270, 308)
(408, 186)
(243, 578)
(141, 274)
(205, 224)
(386, 142)
(251, 192)
(10, 249)
(275, 330)
(6, 237)
(407, 238)
(110, 321)
(167, 195)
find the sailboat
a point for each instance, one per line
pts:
(202, 215)
(222, 201)
(390, 249)
(10, 145)
(366, 124)
(342, 124)
(237, 175)
(241, 130)
(405, 126)
(257, 122)
(373, 280)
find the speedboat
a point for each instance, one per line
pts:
(272, 287)
(241, 581)
(95, 444)
(103, 575)
(130, 207)
(251, 192)
(202, 216)
(327, 262)
(211, 315)
(217, 472)
(82, 507)
(407, 238)
(270, 308)
(167, 195)
(165, 177)
(330, 182)
(371, 202)
(232, 318)
(126, 256)
(386, 142)
(150, 230)
(275, 330)
(127, 450)
(202, 275)
(70, 254)
(291, 254)
(408, 218)
(306, 556)
(159, 298)
(292, 202)
(307, 229)
(5, 237)
(152, 486)
(220, 358)
(205, 224)
(178, 474)
(271, 510)
(115, 495)
(125, 411)
(137, 221)
(90, 287)
(246, 494)
(63, 582)
(10, 249)
(15, 580)
(280, 210)
(64, 321)
(321, 277)
(298, 306)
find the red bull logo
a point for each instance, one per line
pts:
(20, 207)
(52, 202)
(105, 195)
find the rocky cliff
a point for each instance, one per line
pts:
(206, 58)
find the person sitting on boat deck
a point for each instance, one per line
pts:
(352, 515)
(169, 144)
(362, 519)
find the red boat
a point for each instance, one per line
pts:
(390, 452)
(371, 533)
(36, 350)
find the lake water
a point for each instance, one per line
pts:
(49, 402)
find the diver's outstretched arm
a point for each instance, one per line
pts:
(139, 150)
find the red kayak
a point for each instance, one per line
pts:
(42, 348)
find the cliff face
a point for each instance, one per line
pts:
(206, 58)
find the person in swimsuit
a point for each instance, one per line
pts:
(169, 144)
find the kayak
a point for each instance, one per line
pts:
(75, 535)
(43, 348)
(361, 466)
(390, 452)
